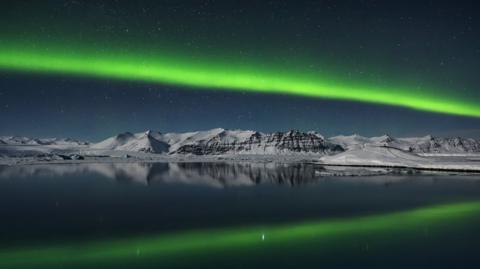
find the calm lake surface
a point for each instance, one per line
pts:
(234, 215)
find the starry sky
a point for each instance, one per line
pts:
(395, 67)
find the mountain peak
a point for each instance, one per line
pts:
(387, 138)
(218, 130)
(127, 141)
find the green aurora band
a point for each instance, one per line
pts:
(211, 74)
(174, 246)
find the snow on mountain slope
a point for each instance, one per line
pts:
(18, 140)
(350, 141)
(426, 144)
(21, 140)
(114, 142)
(430, 144)
(142, 142)
(179, 140)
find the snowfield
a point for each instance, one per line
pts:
(381, 156)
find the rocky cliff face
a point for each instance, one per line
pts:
(259, 143)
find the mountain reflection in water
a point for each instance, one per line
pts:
(210, 174)
(213, 174)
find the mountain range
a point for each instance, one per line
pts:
(220, 141)
(227, 142)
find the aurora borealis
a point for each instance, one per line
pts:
(169, 249)
(213, 76)
(367, 68)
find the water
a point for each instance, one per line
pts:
(243, 215)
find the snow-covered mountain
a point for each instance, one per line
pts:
(22, 140)
(250, 142)
(430, 144)
(353, 141)
(18, 140)
(426, 144)
(220, 141)
(148, 141)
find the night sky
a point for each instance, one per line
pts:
(77, 68)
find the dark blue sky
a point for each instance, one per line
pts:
(414, 44)
(35, 105)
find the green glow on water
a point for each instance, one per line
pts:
(181, 245)
(213, 74)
